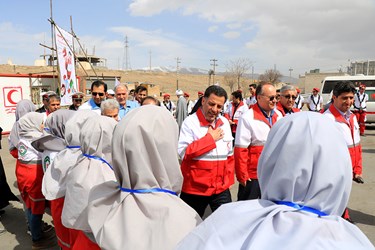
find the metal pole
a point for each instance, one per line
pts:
(53, 45)
(177, 68)
(252, 73)
(290, 75)
(214, 67)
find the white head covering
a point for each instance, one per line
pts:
(30, 126)
(54, 180)
(95, 141)
(144, 157)
(179, 92)
(23, 107)
(305, 161)
(54, 131)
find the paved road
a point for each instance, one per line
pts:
(361, 205)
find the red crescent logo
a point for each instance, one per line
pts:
(9, 96)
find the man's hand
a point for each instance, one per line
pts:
(217, 134)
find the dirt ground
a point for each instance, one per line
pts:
(361, 205)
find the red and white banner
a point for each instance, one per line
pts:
(66, 62)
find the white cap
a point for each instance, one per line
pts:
(110, 92)
(179, 92)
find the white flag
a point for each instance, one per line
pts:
(66, 62)
(117, 82)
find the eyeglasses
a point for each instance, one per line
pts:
(77, 100)
(290, 96)
(97, 93)
(270, 97)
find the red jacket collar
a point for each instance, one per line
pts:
(204, 123)
(282, 111)
(340, 118)
(258, 115)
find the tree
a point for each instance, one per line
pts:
(230, 80)
(271, 75)
(238, 68)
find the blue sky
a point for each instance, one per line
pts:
(301, 35)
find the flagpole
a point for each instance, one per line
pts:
(53, 46)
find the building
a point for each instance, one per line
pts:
(362, 67)
(314, 79)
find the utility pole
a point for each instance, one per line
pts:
(214, 66)
(290, 75)
(125, 60)
(55, 85)
(177, 69)
(252, 74)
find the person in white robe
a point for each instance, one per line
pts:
(142, 210)
(305, 188)
(92, 168)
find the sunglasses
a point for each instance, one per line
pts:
(78, 100)
(97, 93)
(290, 96)
(270, 97)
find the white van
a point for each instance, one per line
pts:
(329, 83)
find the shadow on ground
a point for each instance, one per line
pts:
(359, 217)
(368, 150)
(11, 222)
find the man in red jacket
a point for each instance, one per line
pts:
(205, 147)
(251, 135)
(288, 96)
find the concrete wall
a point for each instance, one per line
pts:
(313, 80)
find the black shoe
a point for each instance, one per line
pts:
(359, 179)
(47, 241)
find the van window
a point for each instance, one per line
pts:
(330, 84)
(371, 95)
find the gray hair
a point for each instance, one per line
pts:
(286, 88)
(110, 104)
(121, 85)
(53, 96)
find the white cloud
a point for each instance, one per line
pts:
(17, 44)
(164, 47)
(213, 28)
(152, 7)
(234, 26)
(292, 33)
(231, 34)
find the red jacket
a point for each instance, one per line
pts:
(355, 148)
(207, 166)
(249, 145)
(234, 113)
(282, 111)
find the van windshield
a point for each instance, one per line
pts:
(330, 84)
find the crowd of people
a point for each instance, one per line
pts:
(124, 173)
